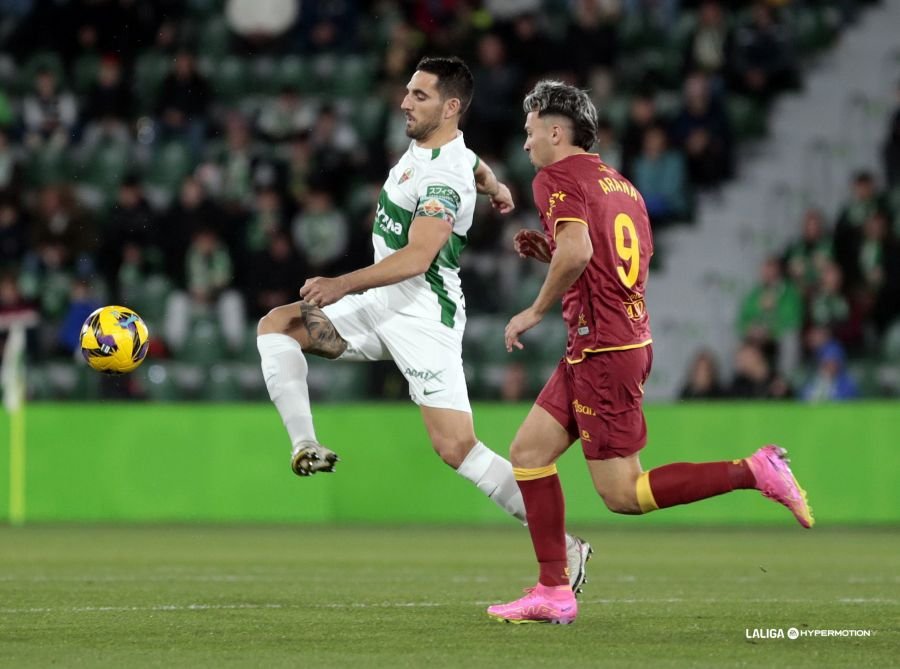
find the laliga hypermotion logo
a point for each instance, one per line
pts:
(407, 175)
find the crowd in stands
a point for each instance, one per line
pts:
(163, 156)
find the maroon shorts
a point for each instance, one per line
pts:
(598, 400)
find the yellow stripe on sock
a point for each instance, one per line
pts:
(645, 494)
(524, 474)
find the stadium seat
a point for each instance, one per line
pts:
(158, 381)
(38, 61)
(47, 165)
(214, 38)
(747, 117)
(230, 78)
(105, 168)
(149, 71)
(204, 345)
(353, 76)
(84, 72)
(222, 384)
(170, 164)
(295, 71)
(336, 380)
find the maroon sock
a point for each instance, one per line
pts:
(685, 482)
(545, 510)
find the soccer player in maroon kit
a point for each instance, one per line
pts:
(598, 242)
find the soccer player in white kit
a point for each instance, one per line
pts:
(408, 305)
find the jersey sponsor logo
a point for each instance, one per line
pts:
(635, 306)
(555, 198)
(425, 375)
(444, 193)
(578, 407)
(407, 175)
(386, 223)
(585, 435)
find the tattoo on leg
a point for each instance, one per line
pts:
(324, 339)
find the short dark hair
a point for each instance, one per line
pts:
(454, 78)
(556, 98)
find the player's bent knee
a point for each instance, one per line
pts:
(452, 450)
(526, 457)
(621, 502)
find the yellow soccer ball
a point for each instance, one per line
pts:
(114, 340)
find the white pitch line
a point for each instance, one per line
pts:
(398, 605)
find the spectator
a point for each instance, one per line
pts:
(608, 146)
(831, 382)
(82, 302)
(10, 168)
(703, 379)
(591, 38)
(336, 150)
(493, 113)
(49, 114)
(754, 377)
(131, 221)
(864, 201)
(59, 219)
(531, 49)
(702, 131)
(285, 115)
(659, 174)
(891, 150)
(184, 98)
(828, 307)
(276, 274)
(13, 234)
(771, 315)
(806, 258)
(764, 60)
(110, 97)
(875, 283)
(192, 212)
(642, 115)
(321, 234)
(210, 274)
(710, 44)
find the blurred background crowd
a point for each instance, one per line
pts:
(196, 161)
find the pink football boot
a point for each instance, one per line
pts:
(775, 480)
(541, 604)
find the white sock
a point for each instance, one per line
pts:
(493, 475)
(284, 369)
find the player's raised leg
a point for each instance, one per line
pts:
(538, 444)
(626, 489)
(283, 336)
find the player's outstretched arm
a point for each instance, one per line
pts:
(573, 253)
(486, 182)
(426, 238)
(532, 244)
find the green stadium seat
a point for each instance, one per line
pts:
(296, 72)
(353, 76)
(106, 167)
(231, 78)
(222, 384)
(149, 71)
(214, 39)
(38, 61)
(158, 381)
(170, 164)
(84, 72)
(368, 117)
(204, 345)
(47, 165)
(747, 116)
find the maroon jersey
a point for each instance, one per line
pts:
(604, 309)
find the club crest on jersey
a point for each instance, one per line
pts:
(635, 307)
(555, 198)
(407, 175)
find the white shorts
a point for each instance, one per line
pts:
(428, 353)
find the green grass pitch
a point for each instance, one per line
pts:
(309, 596)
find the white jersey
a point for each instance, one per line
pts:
(438, 183)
